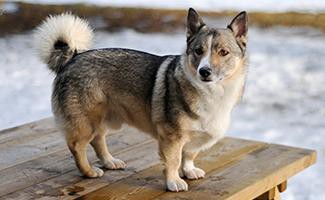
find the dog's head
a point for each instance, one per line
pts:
(214, 55)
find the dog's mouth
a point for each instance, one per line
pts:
(206, 79)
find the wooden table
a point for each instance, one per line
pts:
(36, 164)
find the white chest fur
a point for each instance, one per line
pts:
(215, 106)
(214, 110)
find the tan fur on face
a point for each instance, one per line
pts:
(238, 70)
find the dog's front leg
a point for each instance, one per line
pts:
(170, 148)
(188, 168)
(198, 142)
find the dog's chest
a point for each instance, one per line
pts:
(214, 110)
(213, 117)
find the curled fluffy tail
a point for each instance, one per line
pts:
(59, 37)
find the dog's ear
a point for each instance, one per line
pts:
(194, 23)
(239, 27)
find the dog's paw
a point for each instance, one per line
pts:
(94, 173)
(115, 163)
(177, 185)
(194, 173)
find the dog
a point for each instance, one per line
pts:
(184, 101)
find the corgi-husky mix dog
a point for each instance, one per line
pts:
(184, 101)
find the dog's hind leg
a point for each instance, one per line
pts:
(100, 147)
(78, 141)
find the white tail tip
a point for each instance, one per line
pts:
(72, 30)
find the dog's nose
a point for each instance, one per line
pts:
(205, 72)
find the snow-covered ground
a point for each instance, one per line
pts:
(284, 100)
(210, 5)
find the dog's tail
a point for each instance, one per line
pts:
(60, 37)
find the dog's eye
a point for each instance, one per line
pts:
(223, 52)
(198, 51)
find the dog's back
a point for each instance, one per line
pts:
(117, 81)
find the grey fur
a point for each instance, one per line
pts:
(160, 95)
(118, 74)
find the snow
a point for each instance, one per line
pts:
(209, 5)
(7, 7)
(284, 98)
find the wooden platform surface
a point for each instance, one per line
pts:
(36, 164)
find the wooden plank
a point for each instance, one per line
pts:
(71, 185)
(149, 183)
(27, 130)
(146, 156)
(257, 172)
(38, 173)
(12, 155)
(225, 185)
(55, 164)
(283, 186)
(276, 195)
(35, 139)
(272, 194)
